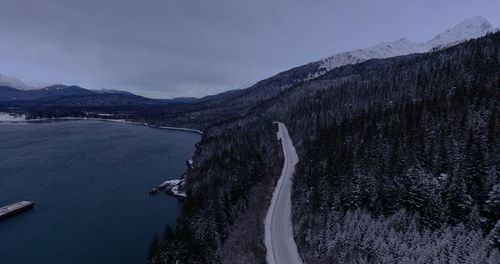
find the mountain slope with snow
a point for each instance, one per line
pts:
(467, 29)
(232, 104)
(13, 82)
(383, 50)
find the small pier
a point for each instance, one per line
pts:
(15, 208)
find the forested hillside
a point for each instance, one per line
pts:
(416, 136)
(398, 164)
(228, 189)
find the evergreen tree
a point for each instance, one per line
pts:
(168, 234)
(495, 235)
(154, 248)
(475, 169)
(459, 202)
(492, 204)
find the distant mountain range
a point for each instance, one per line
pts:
(15, 92)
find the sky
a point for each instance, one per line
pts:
(178, 48)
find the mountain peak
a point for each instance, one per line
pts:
(386, 49)
(13, 82)
(477, 21)
(468, 29)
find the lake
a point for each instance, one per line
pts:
(90, 182)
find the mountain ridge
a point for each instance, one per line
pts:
(76, 96)
(208, 110)
(13, 82)
(463, 31)
(237, 103)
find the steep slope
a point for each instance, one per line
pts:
(395, 149)
(383, 50)
(397, 164)
(233, 104)
(468, 29)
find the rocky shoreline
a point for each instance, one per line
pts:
(174, 187)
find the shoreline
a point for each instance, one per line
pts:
(171, 186)
(104, 120)
(174, 187)
(128, 122)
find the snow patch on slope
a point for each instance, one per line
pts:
(11, 117)
(174, 186)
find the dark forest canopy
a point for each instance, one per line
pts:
(392, 151)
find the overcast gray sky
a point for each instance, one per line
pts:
(170, 48)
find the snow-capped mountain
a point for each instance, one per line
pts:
(467, 29)
(383, 50)
(13, 83)
(244, 99)
(110, 91)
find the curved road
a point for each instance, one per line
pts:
(279, 240)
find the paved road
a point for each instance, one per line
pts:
(279, 240)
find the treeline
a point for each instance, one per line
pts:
(89, 112)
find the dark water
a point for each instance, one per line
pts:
(89, 181)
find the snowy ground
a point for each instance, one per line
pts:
(279, 240)
(8, 117)
(174, 187)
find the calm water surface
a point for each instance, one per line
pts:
(89, 181)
